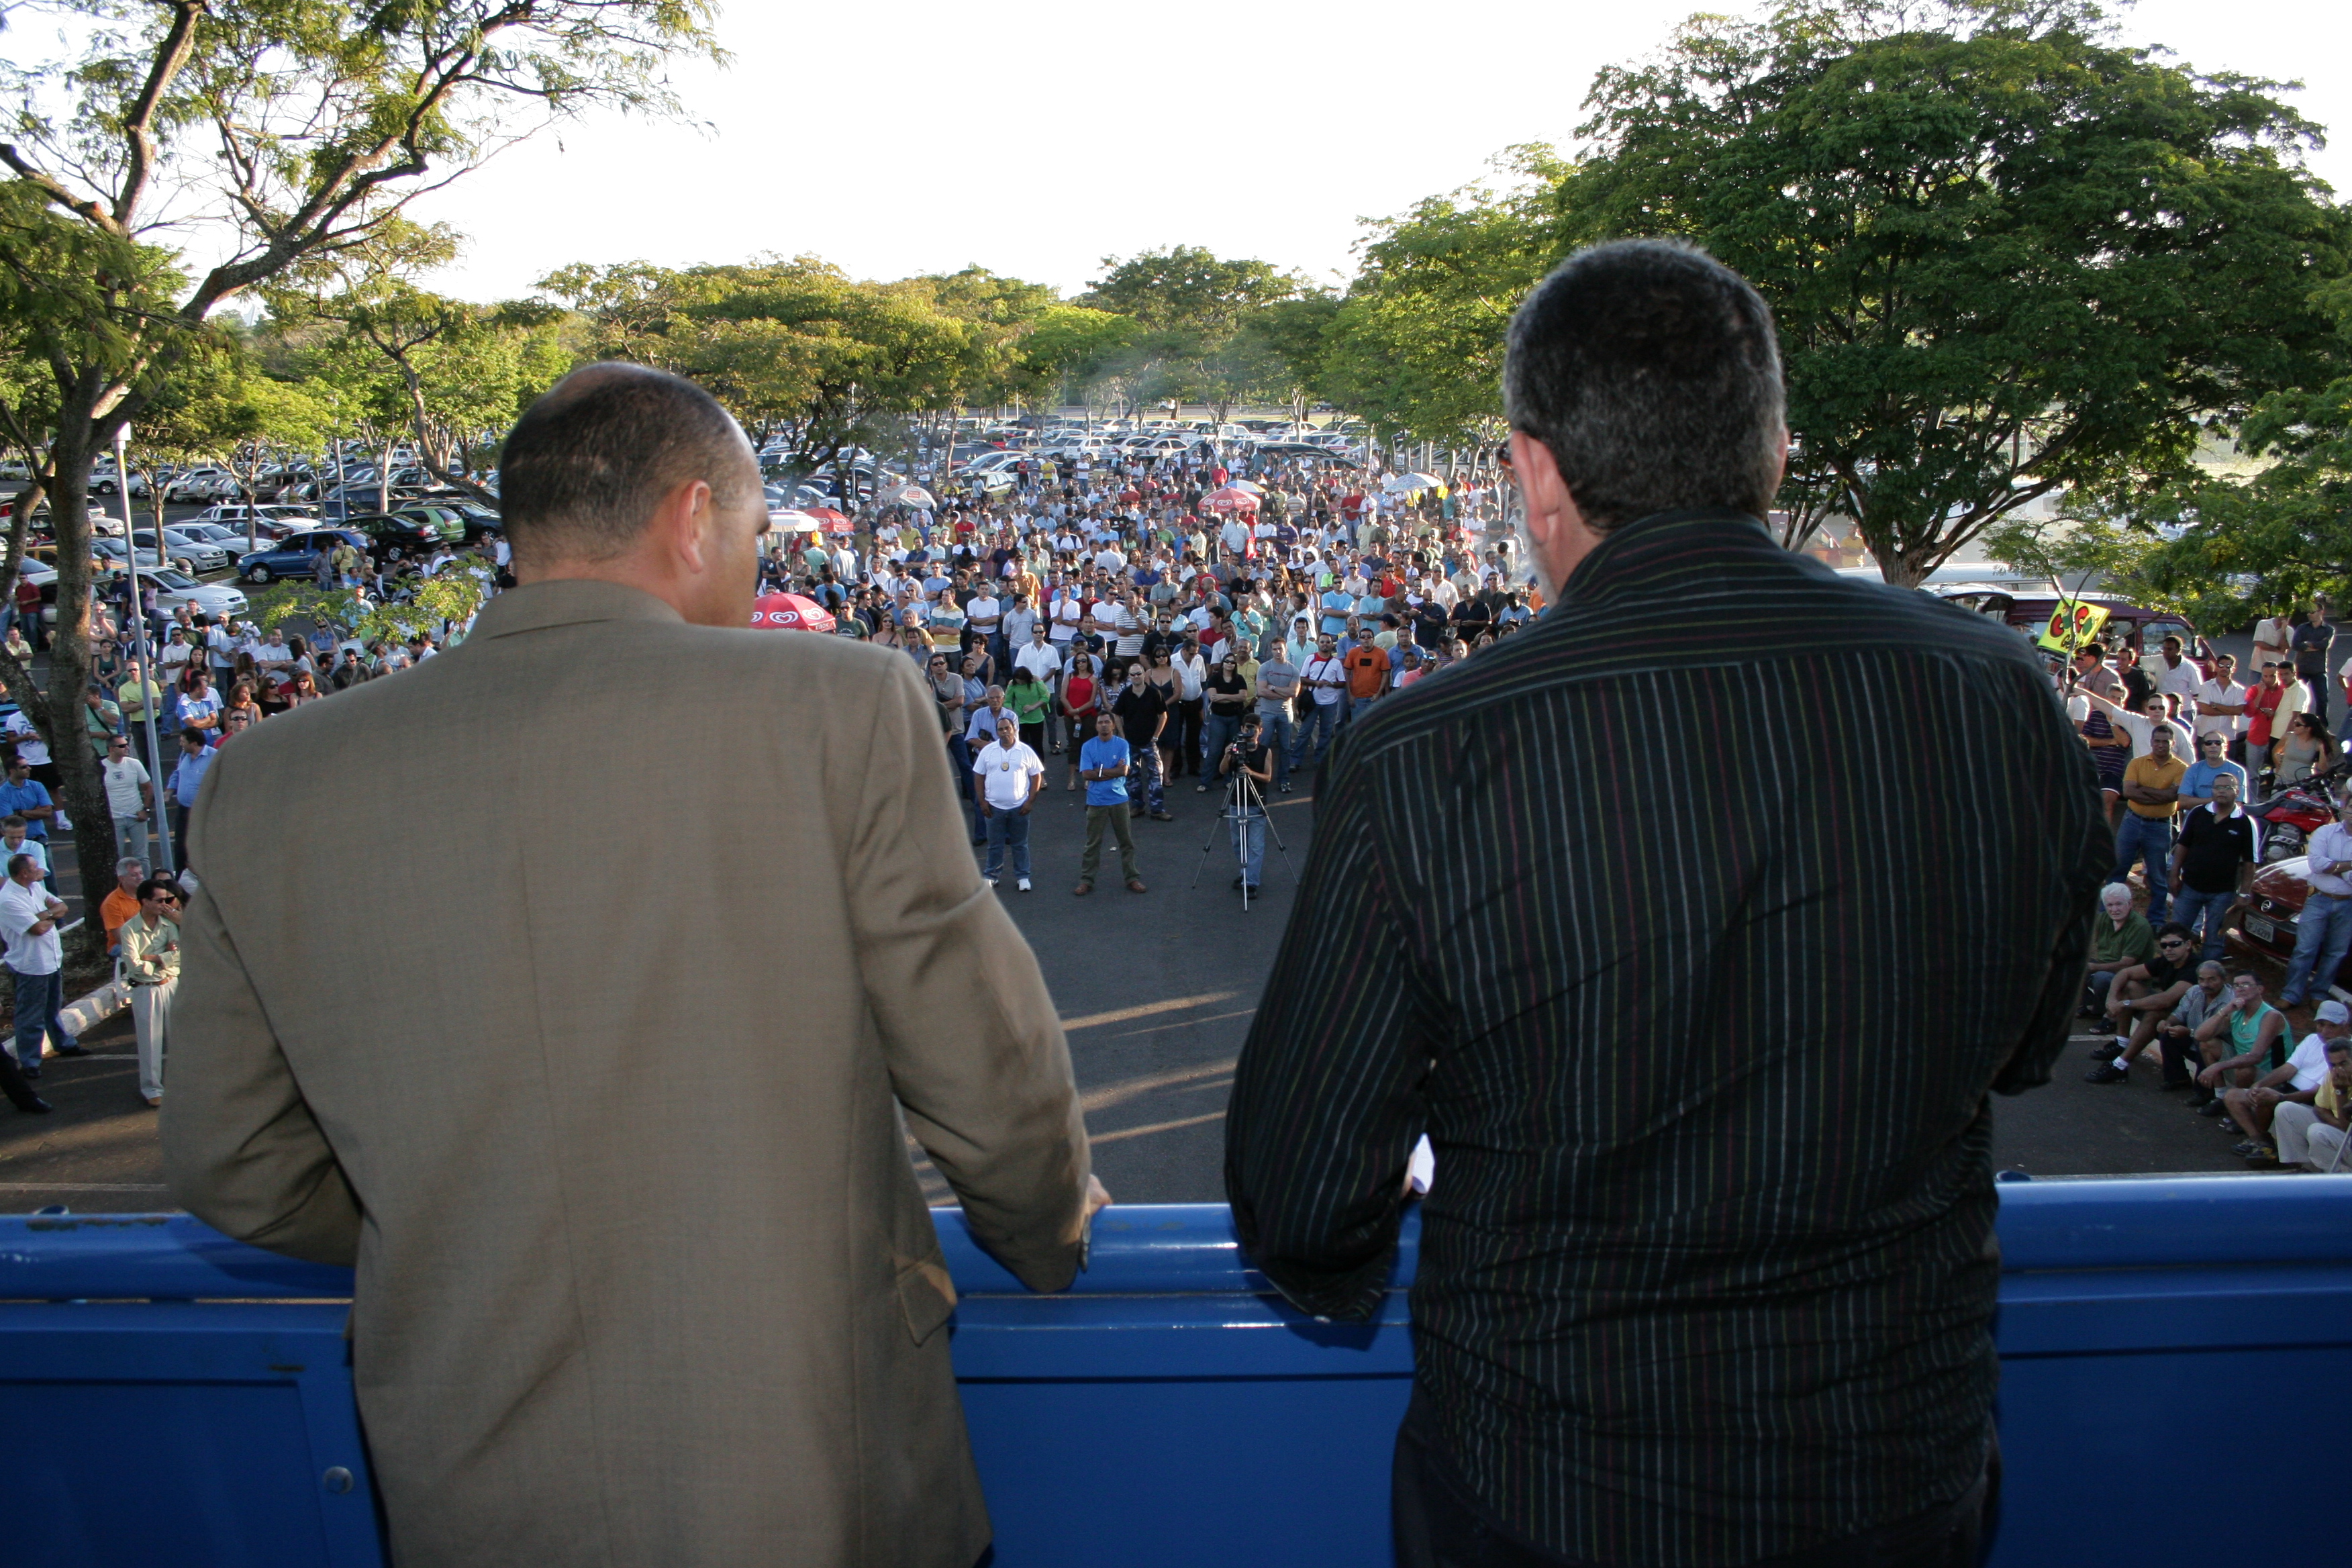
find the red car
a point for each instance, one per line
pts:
(2266, 921)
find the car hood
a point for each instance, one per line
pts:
(2283, 883)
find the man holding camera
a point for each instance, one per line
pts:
(1251, 757)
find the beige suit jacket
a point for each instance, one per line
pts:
(485, 991)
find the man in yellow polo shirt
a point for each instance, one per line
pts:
(2151, 795)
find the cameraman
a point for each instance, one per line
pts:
(1249, 752)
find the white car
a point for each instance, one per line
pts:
(174, 589)
(201, 484)
(103, 483)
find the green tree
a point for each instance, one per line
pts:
(2010, 258)
(1417, 344)
(1190, 308)
(2228, 548)
(295, 130)
(798, 351)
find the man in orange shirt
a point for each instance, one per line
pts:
(122, 901)
(1367, 673)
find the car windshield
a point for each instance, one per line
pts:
(175, 581)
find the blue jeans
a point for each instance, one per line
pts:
(1322, 720)
(959, 759)
(2147, 838)
(1216, 734)
(1144, 784)
(1249, 830)
(1007, 830)
(2322, 934)
(38, 996)
(1275, 730)
(2190, 906)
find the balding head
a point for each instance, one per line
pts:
(585, 466)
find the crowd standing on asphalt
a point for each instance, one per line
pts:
(2188, 756)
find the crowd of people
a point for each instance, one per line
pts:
(1144, 621)
(2185, 752)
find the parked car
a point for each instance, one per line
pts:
(186, 551)
(409, 534)
(115, 556)
(174, 589)
(297, 555)
(2266, 921)
(234, 513)
(103, 482)
(2030, 613)
(200, 484)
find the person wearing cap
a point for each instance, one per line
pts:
(2312, 1135)
(2296, 1083)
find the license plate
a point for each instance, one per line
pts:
(2260, 929)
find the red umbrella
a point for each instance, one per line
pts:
(1230, 500)
(790, 612)
(834, 523)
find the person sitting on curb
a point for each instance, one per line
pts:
(2120, 940)
(2235, 1040)
(2296, 1083)
(2142, 996)
(2312, 1135)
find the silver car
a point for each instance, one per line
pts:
(174, 589)
(188, 551)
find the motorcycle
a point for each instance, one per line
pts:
(2294, 814)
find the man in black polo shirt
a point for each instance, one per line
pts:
(2213, 861)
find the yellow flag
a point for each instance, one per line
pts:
(2072, 624)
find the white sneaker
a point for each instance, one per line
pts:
(990, 881)
(1023, 884)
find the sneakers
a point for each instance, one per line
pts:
(2108, 1072)
(990, 881)
(1023, 884)
(2254, 1148)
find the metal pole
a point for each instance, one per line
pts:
(146, 657)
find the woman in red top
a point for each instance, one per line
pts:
(1079, 700)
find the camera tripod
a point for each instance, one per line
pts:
(1244, 803)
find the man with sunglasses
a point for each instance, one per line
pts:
(2142, 997)
(2212, 762)
(151, 967)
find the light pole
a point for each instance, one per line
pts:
(152, 690)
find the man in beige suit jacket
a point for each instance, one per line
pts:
(483, 993)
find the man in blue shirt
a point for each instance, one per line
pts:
(24, 796)
(2196, 786)
(185, 780)
(1337, 603)
(1102, 762)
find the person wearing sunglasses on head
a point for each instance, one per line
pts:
(151, 967)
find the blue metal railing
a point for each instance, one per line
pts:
(173, 1396)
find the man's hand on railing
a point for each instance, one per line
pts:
(1097, 1198)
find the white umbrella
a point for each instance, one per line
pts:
(793, 521)
(906, 495)
(1412, 483)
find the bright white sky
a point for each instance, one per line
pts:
(1036, 138)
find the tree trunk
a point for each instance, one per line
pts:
(79, 440)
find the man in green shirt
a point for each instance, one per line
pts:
(2120, 939)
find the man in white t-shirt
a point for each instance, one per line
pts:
(130, 800)
(2222, 704)
(1010, 775)
(2177, 676)
(1325, 678)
